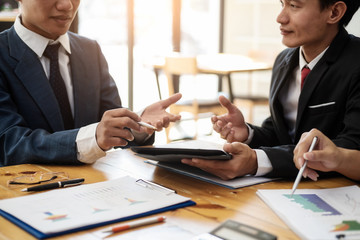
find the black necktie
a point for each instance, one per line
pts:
(58, 85)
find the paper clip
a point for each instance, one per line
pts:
(152, 185)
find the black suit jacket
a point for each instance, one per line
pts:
(31, 127)
(329, 101)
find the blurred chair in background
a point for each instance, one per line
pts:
(177, 65)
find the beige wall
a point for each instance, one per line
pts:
(250, 25)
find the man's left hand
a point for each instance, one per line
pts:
(156, 114)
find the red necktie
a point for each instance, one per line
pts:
(304, 72)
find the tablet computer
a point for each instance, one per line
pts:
(176, 152)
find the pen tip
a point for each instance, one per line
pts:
(24, 190)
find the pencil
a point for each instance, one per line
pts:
(135, 224)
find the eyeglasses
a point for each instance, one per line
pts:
(37, 178)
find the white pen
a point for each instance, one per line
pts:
(298, 178)
(147, 125)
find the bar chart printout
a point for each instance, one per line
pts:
(317, 213)
(313, 203)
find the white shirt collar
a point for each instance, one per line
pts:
(36, 42)
(311, 65)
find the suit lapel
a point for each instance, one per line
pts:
(30, 72)
(312, 80)
(81, 77)
(317, 74)
(284, 72)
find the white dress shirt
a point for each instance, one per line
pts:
(289, 99)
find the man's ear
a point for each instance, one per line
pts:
(337, 11)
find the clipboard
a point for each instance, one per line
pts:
(9, 208)
(174, 152)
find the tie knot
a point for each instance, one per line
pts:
(304, 72)
(51, 51)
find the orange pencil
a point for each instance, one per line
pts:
(135, 224)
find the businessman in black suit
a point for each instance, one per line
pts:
(328, 99)
(33, 126)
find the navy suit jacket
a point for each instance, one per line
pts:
(31, 128)
(329, 101)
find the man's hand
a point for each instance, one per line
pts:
(113, 129)
(231, 126)
(244, 162)
(156, 114)
(325, 156)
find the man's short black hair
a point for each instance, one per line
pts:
(352, 7)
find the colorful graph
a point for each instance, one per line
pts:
(313, 203)
(132, 201)
(55, 217)
(347, 226)
(99, 210)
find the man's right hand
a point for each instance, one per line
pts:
(113, 129)
(231, 126)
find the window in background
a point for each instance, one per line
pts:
(153, 37)
(200, 26)
(106, 22)
(250, 29)
(199, 36)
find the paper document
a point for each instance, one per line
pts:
(317, 213)
(89, 205)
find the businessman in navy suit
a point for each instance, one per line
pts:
(329, 99)
(32, 126)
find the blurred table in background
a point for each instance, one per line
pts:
(220, 64)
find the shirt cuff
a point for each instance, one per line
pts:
(264, 164)
(88, 151)
(251, 134)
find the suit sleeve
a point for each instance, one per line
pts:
(20, 144)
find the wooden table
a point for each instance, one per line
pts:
(223, 65)
(215, 204)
